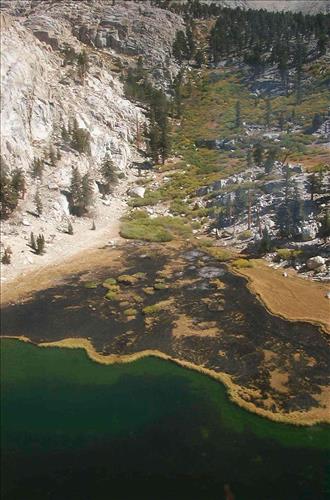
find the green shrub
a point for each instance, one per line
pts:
(130, 312)
(92, 284)
(245, 235)
(241, 263)
(287, 254)
(109, 283)
(141, 227)
(111, 295)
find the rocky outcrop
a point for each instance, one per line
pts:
(42, 91)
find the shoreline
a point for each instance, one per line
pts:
(268, 299)
(233, 390)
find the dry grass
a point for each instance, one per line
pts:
(291, 297)
(236, 393)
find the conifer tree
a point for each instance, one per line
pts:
(258, 154)
(33, 243)
(238, 121)
(6, 258)
(109, 174)
(37, 168)
(40, 244)
(86, 191)
(70, 228)
(38, 203)
(8, 195)
(266, 242)
(76, 191)
(18, 182)
(268, 112)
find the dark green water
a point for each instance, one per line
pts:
(73, 429)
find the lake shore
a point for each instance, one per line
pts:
(235, 392)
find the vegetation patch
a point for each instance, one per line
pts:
(139, 226)
(109, 283)
(111, 295)
(127, 279)
(241, 264)
(91, 284)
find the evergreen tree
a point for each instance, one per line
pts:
(281, 121)
(258, 154)
(80, 139)
(93, 228)
(238, 121)
(249, 159)
(76, 191)
(70, 228)
(315, 183)
(38, 203)
(40, 244)
(284, 220)
(268, 113)
(180, 47)
(6, 258)
(37, 168)
(165, 141)
(33, 243)
(86, 191)
(8, 195)
(109, 174)
(82, 61)
(270, 160)
(266, 242)
(298, 211)
(18, 182)
(200, 58)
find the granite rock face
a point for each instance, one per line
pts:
(42, 91)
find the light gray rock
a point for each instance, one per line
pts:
(315, 262)
(138, 191)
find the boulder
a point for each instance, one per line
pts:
(137, 191)
(315, 262)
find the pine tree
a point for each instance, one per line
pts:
(93, 228)
(87, 191)
(270, 160)
(6, 258)
(33, 243)
(268, 112)
(249, 159)
(38, 203)
(109, 173)
(8, 195)
(76, 191)
(298, 209)
(70, 228)
(281, 121)
(82, 61)
(37, 168)
(18, 182)
(266, 242)
(200, 58)
(258, 154)
(315, 181)
(238, 121)
(165, 141)
(40, 244)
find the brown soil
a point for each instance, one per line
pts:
(52, 275)
(290, 297)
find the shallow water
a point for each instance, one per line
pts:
(73, 429)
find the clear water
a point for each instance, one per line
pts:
(73, 429)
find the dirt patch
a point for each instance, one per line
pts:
(278, 381)
(187, 327)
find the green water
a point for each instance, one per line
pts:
(74, 429)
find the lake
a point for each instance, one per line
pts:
(150, 429)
